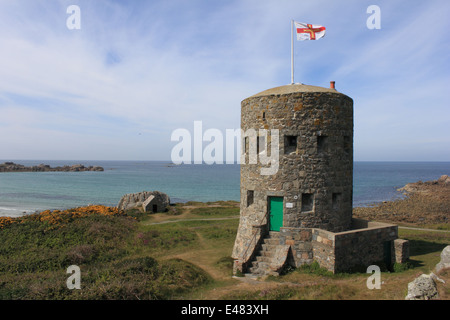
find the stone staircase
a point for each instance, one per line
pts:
(270, 259)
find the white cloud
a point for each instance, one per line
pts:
(135, 72)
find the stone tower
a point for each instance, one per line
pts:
(307, 131)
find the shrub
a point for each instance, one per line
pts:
(139, 266)
(81, 254)
(178, 276)
(400, 267)
(314, 268)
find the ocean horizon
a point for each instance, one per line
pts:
(27, 192)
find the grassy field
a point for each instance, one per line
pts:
(181, 254)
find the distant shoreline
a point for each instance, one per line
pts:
(24, 193)
(425, 203)
(14, 167)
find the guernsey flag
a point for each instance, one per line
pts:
(309, 31)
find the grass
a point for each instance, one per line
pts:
(309, 288)
(215, 211)
(425, 247)
(114, 254)
(135, 256)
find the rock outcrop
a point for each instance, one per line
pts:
(14, 167)
(421, 186)
(146, 201)
(422, 288)
(445, 260)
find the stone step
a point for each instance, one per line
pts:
(268, 247)
(274, 234)
(260, 266)
(265, 253)
(264, 259)
(271, 241)
(254, 264)
(257, 272)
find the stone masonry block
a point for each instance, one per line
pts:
(401, 249)
(290, 242)
(305, 236)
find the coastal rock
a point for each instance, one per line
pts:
(445, 260)
(445, 180)
(147, 201)
(421, 186)
(14, 167)
(422, 288)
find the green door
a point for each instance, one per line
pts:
(275, 213)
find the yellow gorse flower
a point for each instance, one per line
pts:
(6, 221)
(58, 217)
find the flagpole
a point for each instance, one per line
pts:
(292, 51)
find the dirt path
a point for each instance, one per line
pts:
(200, 258)
(191, 219)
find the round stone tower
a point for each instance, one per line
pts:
(304, 134)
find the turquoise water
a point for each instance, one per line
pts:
(379, 181)
(27, 192)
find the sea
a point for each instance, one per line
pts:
(24, 193)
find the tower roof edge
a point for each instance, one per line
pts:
(293, 88)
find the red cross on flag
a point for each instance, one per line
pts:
(309, 31)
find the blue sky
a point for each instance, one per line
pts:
(137, 70)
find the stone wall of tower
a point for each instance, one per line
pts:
(315, 169)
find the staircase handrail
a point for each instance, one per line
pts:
(254, 236)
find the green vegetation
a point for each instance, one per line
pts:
(314, 268)
(216, 211)
(400, 267)
(298, 291)
(425, 248)
(114, 254)
(181, 254)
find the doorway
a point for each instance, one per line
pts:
(275, 213)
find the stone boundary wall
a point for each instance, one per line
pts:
(369, 243)
(360, 248)
(324, 249)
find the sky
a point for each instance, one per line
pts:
(117, 87)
